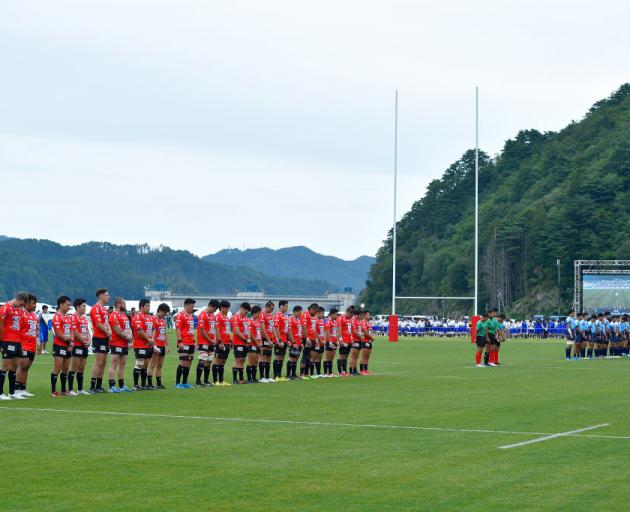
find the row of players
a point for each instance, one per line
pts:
(253, 334)
(599, 335)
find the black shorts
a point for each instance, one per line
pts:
(100, 345)
(493, 339)
(63, 352)
(356, 345)
(143, 353)
(344, 349)
(11, 349)
(188, 350)
(222, 354)
(306, 343)
(240, 351)
(205, 348)
(119, 351)
(330, 346)
(160, 351)
(253, 349)
(280, 349)
(81, 352)
(481, 341)
(267, 352)
(294, 351)
(318, 350)
(26, 354)
(306, 355)
(367, 345)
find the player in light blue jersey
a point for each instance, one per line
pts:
(624, 334)
(571, 324)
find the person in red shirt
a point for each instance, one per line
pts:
(256, 331)
(185, 328)
(267, 341)
(121, 337)
(295, 333)
(366, 346)
(10, 320)
(206, 340)
(332, 341)
(240, 341)
(29, 334)
(345, 332)
(224, 339)
(161, 347)
(280, 330)
(309, 338)
(357, 340)
(142, 325)
(62, 346)
(81, 338)
(317, 352)
(99, 313)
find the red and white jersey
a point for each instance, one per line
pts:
(80, 326)
(269, 322)
(224, 328)
(356, 326)
(366, 329)
(160, 332)
(345, 328)
(62, 324)
(332, 330)
(99, 315)
(11, 320)
(282, 323)
(142, 322)
(207, 321)
(310, 323)
(185, 322)
(256, 328)
(122, 321)
(29, 323)
(297, 328)
(238, 322)
(320, 329)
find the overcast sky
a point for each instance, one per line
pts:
(207, 124)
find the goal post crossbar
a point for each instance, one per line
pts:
(435, 298)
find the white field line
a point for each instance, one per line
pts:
(310, 423)
(553, 436)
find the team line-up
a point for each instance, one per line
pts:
(256, 336)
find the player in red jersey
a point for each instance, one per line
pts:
(240, 341)
(281, 336)
(345, 332)
(332, 341)
(29, 334)
(185, 328)
(366, 346)
(10, 320)
(161, 347)
(257, 333)
(357, 340)
(143, 342)
(120, 326)
(62, 346)
(268, 341)
(309, 321)
(100, 339)
(317, 351)
(295, 333)
(81, 338)
(224, 339)
(206, 340)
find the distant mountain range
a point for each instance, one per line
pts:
(299, 263)
(49, 269)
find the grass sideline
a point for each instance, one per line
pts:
(87, 458)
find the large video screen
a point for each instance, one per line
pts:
(606, 293)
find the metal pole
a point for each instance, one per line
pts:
(476, 200)
(395, 185)
(558, 265)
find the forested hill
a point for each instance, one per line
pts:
(546, 196)
(297, 262)
(49, 269)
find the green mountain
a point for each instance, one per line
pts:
(546, 196)
(49, 269)
(297, 262)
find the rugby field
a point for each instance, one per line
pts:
(428, 431)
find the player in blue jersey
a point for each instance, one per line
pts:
(571, 324)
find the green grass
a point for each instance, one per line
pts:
(70, 461)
